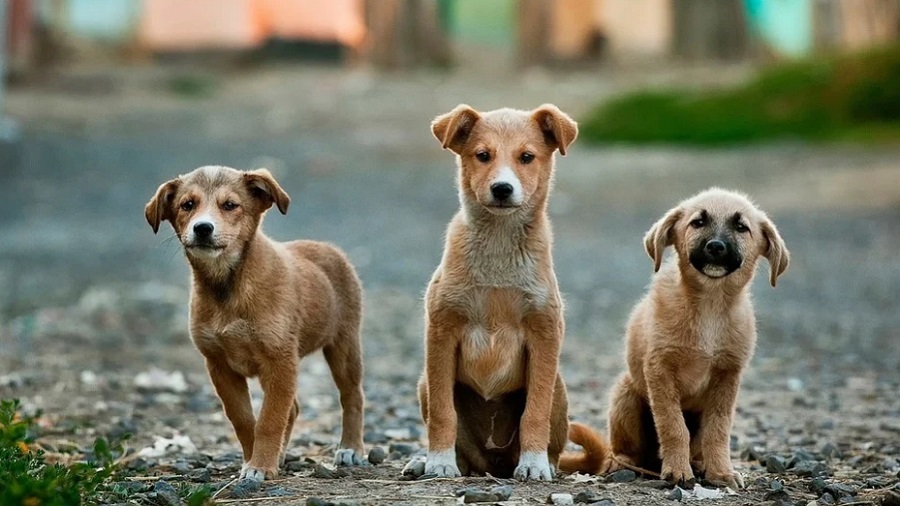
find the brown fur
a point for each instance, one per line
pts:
(259, 306)
(688, 342)
(491, 393)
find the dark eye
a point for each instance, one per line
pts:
(698, 223)
(741, 228)
(483, 156)
(187, 205)
(229, 206)
(526, 157)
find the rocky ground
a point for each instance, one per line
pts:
(93, 323)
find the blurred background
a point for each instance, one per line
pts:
(796, 102)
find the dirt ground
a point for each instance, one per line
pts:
(92, 299)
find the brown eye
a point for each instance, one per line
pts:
(187, 205)
(526, 157)
(483, 156)
(229, 206)
(741, 228)
(698, 223)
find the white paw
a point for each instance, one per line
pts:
(415, 467)
(442, 464)
(252, 473)
(533, 466)
(347, 457)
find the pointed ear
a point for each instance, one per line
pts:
(559, 129)
(160, 208)
(263, 186)
(659, 237)
(776, 252)
(453, 128)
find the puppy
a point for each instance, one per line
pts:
(259, 306)
(689, 340)
(491, 394)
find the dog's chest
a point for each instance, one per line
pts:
(234, 340)
(492, 345)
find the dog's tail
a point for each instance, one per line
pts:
(593, 457)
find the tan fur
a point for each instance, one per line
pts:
(491, 388)
(688, 342)
(259, 306)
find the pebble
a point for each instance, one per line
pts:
(775, 464)
(327, 474)
(561, 499)
(376, 455)
(827, 499)
(416, 468)
(585, 497)
(810, 469)
(375, 437)
(278, 492)
(181, 466)
(404, 449)
(166, 494)
(830, 451)
(298, 465)
(840, 490)
(817, 486)
(657, 484)
(475, 495)
(676, 494)
(622, 476)
(244, 488)
(200, 475)
(800, 456)
(315, 501)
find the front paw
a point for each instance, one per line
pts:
(348, 457)
(680, 473)
(729, 479)
(256, 473)
(533, 466)
(442, 464)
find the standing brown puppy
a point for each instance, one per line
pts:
(259, 306)
(689, 340)
(491, 393)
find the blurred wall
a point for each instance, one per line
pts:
(636, 27)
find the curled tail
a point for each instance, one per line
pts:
(595, 454)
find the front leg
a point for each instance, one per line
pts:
(673, 434)
(279, 385)
(543, 338)
(440, 377)
(232, 390)
(715, 427)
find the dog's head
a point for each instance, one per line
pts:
(505, 156)
(215, 210)
(718, 234)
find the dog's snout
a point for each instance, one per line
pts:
(203, 229)
(715, 248)
(502, 191)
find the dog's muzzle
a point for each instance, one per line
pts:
(716, 258)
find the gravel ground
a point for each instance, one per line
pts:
(93, 324)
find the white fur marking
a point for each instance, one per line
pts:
(442, 464)
(507, 175)
(533, 466)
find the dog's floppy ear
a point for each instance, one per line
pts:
(454, 127)
(559, 129)
(659, 237)
(263, 185)
(159, 209)
(776, 252)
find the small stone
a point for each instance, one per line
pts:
(817, 486)
(604, 502)
(840, 490)
(657, 484)
(166, 494)
(375, 437)
(327, 474)
(830, 451)
(779, 495)
(890, 498)
(753, 453)
(561, 499)
(138, 464)
(181, 466)
(776, 486)
(404, 449)
(826, 499)
(415, 468)
(298, 465)
(376, 455)
(800, 456)
(315, 501)
(585, 497)
(346, 503)
(502, 492)
(200, 476)
(133, 487)
(775, 464)
(810, 469)
(245, 488)
(475, 495)
(622, 476)
(676, 494)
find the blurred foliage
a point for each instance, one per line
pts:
(27, 479)
(192, 86)
(850, 97)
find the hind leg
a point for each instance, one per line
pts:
(559, 422)
(625, 424)
(344, 357)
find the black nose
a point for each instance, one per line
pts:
(501, 191)
(715, 248)
(203, 229)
